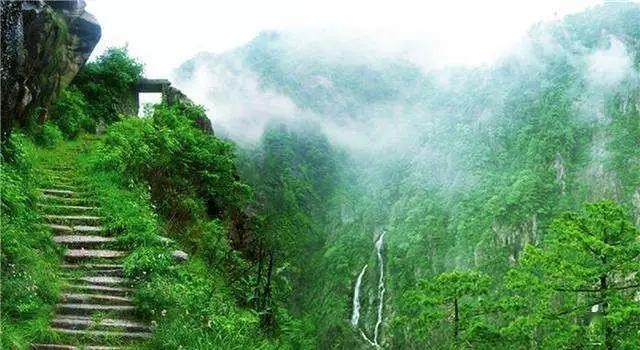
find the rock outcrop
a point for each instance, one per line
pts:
(44, 45)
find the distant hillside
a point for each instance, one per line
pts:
(462, 166)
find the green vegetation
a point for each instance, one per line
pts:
(48, 135)
(30, 259)
(488, 241)
(446, 311)
(575, 291)
(589, 261)
(106, 85)
(166, 162)
(187, 169)
(462, 167)
(69, 113)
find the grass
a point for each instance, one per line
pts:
(30, 274)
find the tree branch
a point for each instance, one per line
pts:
(576, 290)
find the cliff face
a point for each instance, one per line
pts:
(44, 45)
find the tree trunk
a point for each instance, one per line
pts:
(608, 341)
(257, 301)
(456, 320)
(268, 317)
(267, 286)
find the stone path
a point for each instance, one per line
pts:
(95, 310)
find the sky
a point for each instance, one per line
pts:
(163, 34)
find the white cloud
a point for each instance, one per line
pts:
(609, 67)
(165, 33)
(235, 101)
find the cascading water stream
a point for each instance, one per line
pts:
(355, 317)
(381, 289)
(356, 299)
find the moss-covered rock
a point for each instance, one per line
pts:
(44, 45)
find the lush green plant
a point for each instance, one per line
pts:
(187, 169)
(107, 83)
(29, 258)
(446, 311)
(193, 304)
(193, 310)
(48, 135)
(590, 262)
(69, 113)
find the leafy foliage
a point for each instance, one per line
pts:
(30, 282)
(482, 161)
(585, 274)
(184, 166)
(197, 304)
(447, 311)
(69, 113)
(106, 84)
(48, 135)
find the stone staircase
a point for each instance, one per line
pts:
(95, 310)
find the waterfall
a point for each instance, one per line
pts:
(356, 299)
(380, 289)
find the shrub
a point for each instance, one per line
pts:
(69, 113)
(191, 303)
(194, 311)
(107, 83)
(212, 243)
(48, 135)
(147, 261)
(185, 168)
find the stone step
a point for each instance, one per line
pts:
(82, 241)
(57, 177)
(61, 186)
(49, 199)
(90, 309)
(98, 289)
(77, 254)
(103, 334)
(59, 167)
(74, 217)
(93, 269)
(81, 298)
(92, 266)
(73, 347)
(96, 272)
(67, 209)
(48, 174)
(58, 192)
(75, 228)
(77, 195)
(111, 281)
(83, 322)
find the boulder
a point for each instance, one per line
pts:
(179, 256)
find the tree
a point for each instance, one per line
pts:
(578, 289)
(107, 84)
(448, 307)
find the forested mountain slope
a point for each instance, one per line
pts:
(461, 167)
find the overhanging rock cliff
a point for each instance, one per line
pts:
(44, 45)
